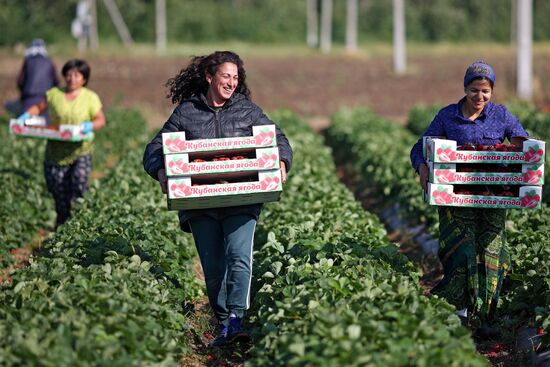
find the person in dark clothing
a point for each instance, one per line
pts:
(214, 102)
(37, 75)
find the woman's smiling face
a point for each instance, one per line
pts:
(478, 94)
(223, 83)
(74, 80)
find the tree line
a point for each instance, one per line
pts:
(272, 21)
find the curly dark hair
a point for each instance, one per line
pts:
(192, 80)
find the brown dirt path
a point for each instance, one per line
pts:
(314, 86)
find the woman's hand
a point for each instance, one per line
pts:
(424, 173)
(163, 180)
(283, 171)
(24, 116)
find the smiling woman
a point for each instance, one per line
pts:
(472, 245)
(214, 102)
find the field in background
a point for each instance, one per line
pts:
(312, 84)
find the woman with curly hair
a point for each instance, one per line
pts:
(213, 101)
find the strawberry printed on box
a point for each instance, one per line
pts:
(446, 173)
(445, 151)
(64, 133)
(183, 193)
(444, 195)
(180, 165)
(262, 136)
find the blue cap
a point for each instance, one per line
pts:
(479, 69)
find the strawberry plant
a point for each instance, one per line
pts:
(357, 137)
(420, 117)
(110, 287)
(26, 207)
(331, 290)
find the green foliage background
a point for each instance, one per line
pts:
(271, 21)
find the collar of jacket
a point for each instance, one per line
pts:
(235, 97)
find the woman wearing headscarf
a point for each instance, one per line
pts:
(472, 246)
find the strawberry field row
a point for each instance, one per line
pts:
(357, 136)
(331, 289)
(110, 286)
(25, 205)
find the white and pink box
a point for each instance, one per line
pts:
(451, 168)
(263, 159)
(529, 198)
(35, 128)
(198, 178)
(446, 173)
(445, 151)
(262, 136)
(183, 193)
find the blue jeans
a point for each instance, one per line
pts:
(225, 251)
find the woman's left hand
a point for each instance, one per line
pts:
(283, 171)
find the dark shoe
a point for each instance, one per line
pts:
(221, 339)
(488, 331)
(235, 332)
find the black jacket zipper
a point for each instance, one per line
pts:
(218, 125)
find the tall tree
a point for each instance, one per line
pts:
(160, 13)
(326, 26)
(312, 11)
(351, 26)
(118, 21)
(399, 55)
(524, 49)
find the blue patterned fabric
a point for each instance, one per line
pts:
(479, 69)
(494, 124)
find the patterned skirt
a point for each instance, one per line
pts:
(472, 250)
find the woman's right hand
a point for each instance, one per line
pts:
(424, 173)
(163, 180)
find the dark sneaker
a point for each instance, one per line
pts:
(221, 339)
(235, 331)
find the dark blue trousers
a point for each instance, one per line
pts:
(225, 251)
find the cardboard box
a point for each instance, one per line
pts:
(183, 194)
(529, 198)
(36, 130)
(445, 151)
(446, 173)
(262, 136)
(181, 164)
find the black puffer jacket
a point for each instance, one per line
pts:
(199, 121)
